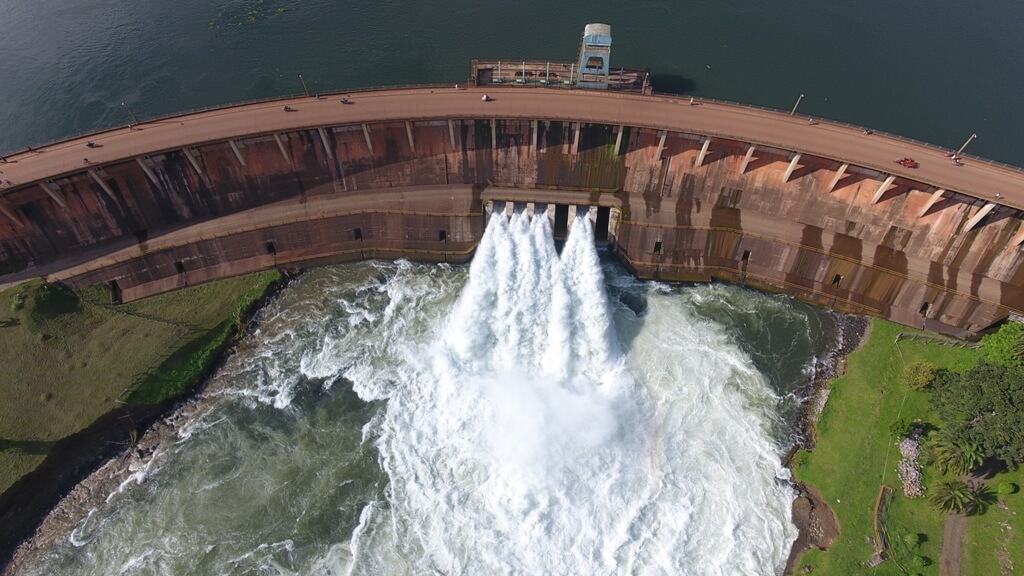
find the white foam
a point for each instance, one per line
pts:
(523, 445)
(517, 433)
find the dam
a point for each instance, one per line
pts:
(680, 189)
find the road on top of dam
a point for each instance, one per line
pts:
(976, 178)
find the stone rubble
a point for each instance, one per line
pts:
(910, 471)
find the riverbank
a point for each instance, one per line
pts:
(855, 454)
(816, 522)
(196, 328)
(121, 465)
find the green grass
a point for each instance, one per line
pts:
(69, 358)
(856, 453)
(999, 531)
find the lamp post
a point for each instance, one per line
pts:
(134, 119)
(793, 111)
(973, 136)
(304, 89)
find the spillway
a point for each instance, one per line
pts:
(515, 418)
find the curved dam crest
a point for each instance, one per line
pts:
(698, 191)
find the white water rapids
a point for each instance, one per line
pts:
(523, 444)
(523, 426)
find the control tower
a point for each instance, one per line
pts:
(595, 56)
(591, 70)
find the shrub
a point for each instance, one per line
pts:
(902, 428)
(983, 497)
(980, 407)
(952, 454)
(1007, 488)
(956, 497)
(51, 300)
(919, 375)
(800, 459)
(1004, 347)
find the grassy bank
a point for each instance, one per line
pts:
(856, 454)
(70, 357)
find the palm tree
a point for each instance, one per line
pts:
(983, 498)
(968, 458)
(956, 497)
(952, 497)
(954, 455)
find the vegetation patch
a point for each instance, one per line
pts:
(983, 412)
(71, 357)
(857, 453)
(965, 406)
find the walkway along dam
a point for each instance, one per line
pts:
(683, 190)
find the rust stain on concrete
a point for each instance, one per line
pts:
(860, 247)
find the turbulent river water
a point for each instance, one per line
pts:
(534, 413)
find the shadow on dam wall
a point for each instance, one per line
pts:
(691, 208)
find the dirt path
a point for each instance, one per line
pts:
(952, 545)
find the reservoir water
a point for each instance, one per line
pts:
(513, 418)
(933, 70)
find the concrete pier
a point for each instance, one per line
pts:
(661, 145)
(54, 193)
(103, 185)
(882, 189)
(703, 153)
(746, 159)
(281, 147)
(792, 166)
(143, 163)
(935, 197)
(839, 176)
(193, 160)
(237, 151)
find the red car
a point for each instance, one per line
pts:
(908, 162)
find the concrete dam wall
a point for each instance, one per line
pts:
(688, 205)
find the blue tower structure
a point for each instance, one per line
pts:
(595, 56)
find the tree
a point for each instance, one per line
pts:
(919, 375)
(951, 454)
(983, 498)
(956, 497)
(984, 406)
(913, 539)
(952, 497)
(1005, 346)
